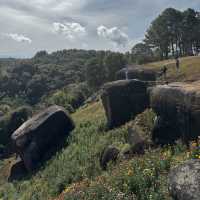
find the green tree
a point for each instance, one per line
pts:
(174, 31)
(142, 53)
(113, 62)
(189, 31)
(95, 73)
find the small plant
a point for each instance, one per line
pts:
(195, 149)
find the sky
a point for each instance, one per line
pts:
(28, 26)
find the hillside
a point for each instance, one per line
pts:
(189, 69)
(75, 171)
(76, 168)
(47, 77)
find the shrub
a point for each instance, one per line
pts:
(11, 121)
(70, 97)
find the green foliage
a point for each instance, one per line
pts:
(80, 159)
(142, 53)
(103, 68)
(76, 169)
(95, 73)
(113, 62)
(11, 121)
(31, 79)
(142, 178)
(70, 97)
(174, 32)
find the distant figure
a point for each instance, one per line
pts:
(164, 72)
(126, 73)
(177, 64)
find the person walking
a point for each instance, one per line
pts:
(177, 64)
(164, 72)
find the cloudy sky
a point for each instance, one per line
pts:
(27, 26)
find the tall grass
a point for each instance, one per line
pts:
(77, 161)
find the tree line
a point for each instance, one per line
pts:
(173, 33)
(77, 73)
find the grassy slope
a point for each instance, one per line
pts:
(74, 163)
(189, 69)
(76, 168)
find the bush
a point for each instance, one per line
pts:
(70, 97)
(11, 121)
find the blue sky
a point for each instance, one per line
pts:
(30, 26)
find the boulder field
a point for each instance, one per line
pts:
(39, 137)
(177, 106)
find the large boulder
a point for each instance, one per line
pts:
(177, 106)
(184, 181)
(41, 136)
(136, 73)
(123, 100)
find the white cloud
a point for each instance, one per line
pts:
(114, 34)
(54, 5)
(18, 37)
(69, 30)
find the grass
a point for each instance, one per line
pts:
(143, 176)
(79, 160)
(74, 172)
(189, 68)
(76, 169)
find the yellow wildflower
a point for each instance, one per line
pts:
(194, 144)
(130, 172)
(167, 153)
(68, 189)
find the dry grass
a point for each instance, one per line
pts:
(189, 69)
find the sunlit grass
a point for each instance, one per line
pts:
(189, 68)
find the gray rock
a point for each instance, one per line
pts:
(123, 100)
(41, 136)
(177, 106)
(184, 181)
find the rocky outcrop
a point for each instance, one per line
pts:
(39, 137)
(123, 100)
(136, 73)
(177, 106)
(184, 181)
(109, 154)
